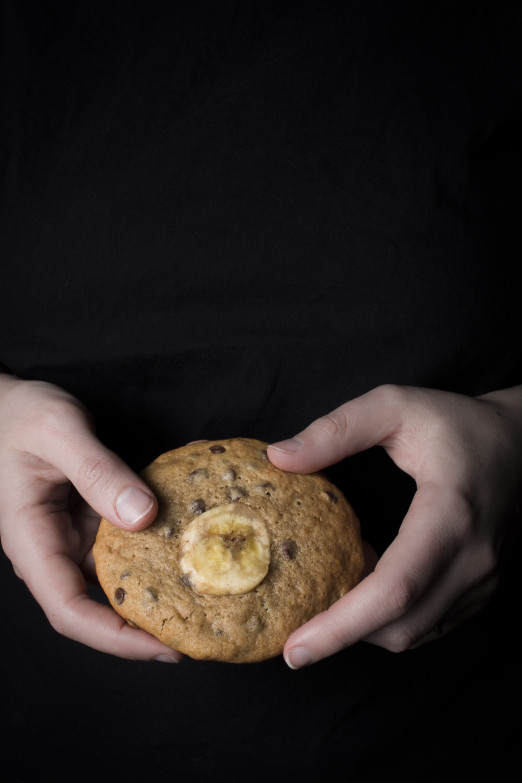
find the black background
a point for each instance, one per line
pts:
(226, 219)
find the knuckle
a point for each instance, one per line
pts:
(489, 560)
(484, 564)
(63, 616)
(464, 506)
(95, 473)
(399, 639)
(58, 415)
(391, 394)
(58, 623)
(332, 425)
(463, 523)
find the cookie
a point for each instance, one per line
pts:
(239, 556)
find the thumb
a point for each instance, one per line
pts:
(359, 424)
(108, 485)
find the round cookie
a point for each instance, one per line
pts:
(239, 556)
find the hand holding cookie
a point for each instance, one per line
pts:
(465, 456)
(56, 479)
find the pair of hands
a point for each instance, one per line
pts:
(56, 479)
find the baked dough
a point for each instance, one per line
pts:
(301, 529)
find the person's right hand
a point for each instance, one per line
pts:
(56, 480)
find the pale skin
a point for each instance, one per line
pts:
(465, 454)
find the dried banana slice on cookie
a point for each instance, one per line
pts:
(225, 551)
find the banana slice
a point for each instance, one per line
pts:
(225, 551)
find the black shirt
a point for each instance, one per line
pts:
(226, 219)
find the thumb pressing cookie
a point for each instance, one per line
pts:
(239, 556)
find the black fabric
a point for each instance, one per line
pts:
(226, 219)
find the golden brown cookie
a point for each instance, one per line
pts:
(240, 554)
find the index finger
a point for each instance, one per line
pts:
(58, 585)
(62, 593)
(405, 572)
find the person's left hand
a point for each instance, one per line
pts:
(465, 455)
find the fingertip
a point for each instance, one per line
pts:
(306, 452)
(286, 454)
(169, 657)
(138, 644)
(135, 508)
(289, 446)
(298, 658)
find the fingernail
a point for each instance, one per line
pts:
(288, 446)
(166, 659)
(133, 504)
(299, 657)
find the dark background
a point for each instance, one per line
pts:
(226, 219)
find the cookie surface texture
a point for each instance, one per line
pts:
(239, 556)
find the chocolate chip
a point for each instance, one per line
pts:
(198, 506)
(236, 493)
(199, 473)
(229, 474)
(289, 549)
(254, 624)
(186, 581)
(264, 454)
(119, 595)
(152, 594)
(332, 495)
(217, 449)
(266, 487)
